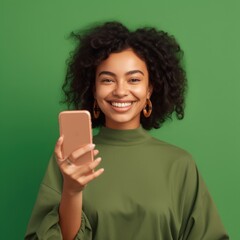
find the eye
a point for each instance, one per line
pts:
(134, 80)
(106, 81)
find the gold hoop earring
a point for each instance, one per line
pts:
(96, 110)
(148, 108)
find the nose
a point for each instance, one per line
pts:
(120, 90)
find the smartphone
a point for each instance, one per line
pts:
(75, 127)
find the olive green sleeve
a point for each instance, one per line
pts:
(44, 220)
(204, 222)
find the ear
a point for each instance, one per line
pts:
(150, 90)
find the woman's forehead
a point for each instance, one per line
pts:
(125, 61)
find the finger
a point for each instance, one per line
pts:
(58, 148)
(87, 168)
(91, 176)
(95, 152)
(67, 166)
(81, 151)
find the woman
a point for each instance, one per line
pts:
(129, 82)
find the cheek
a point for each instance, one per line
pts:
(141, 92)
(101, 92)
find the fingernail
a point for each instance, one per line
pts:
(92, 146)
(98, 159)
(60, 138)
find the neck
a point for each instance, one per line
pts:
(123, 137)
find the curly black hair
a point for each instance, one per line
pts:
(161, 53)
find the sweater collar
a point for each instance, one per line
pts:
(122, 137)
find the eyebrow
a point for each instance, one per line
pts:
(127, 73)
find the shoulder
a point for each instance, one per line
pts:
(170, 150)
(175, 160)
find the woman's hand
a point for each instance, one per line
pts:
(76, 175)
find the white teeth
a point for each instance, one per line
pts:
(117, 104)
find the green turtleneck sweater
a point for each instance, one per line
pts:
(150, 190)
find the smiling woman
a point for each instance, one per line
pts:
(156, 51)
(129, 82)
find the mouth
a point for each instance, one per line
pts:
(121, 104)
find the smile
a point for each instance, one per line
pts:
(121, 104)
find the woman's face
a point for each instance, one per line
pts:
(122, 87)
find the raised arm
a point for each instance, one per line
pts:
(75, 178)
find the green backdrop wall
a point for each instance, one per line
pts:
(33, 50)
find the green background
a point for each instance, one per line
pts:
(33, 50)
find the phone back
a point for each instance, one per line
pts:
(75, 126)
